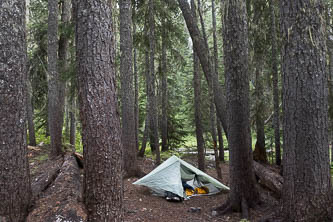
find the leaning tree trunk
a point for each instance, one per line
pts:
(235, 38)
(305, 137)
(151, 86)
(276, 117)
(127, 92)
(15, 191)
(55, 87)
(202, 52)
(101, 131)
(197, 102)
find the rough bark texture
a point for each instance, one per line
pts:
(276, 116)
(259, 153)
(307, 186)
(268, 178)
(152, 100)
(164, 122)
(14, 171)
(202, 52)
(197, 102)
(55, 88)
(61, 201)
(127, 92)
(30, 116)
(101, 132)
(242, 180)
(136, 86)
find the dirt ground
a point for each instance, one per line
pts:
(141, 205)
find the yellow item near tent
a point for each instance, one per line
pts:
(189, 192)
(201, 190)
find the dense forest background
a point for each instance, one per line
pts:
(120, 80)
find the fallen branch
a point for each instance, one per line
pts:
(61, 200)
(268, 178)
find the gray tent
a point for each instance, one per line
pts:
(169, 176)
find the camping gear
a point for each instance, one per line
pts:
(170, 175)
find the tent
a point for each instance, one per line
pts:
(169, 176)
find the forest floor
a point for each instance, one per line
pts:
(139, 203)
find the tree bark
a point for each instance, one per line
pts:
(235, 38)
(164, 122)
(136, 84)
(268, 178)
(276, 116)
(101, 131)
(154, 141)
(127, 91)
(72, 130)
(61, 201)
(220, 138)
(197, 102)
(55, 87)
(30, 116)
(305, 137)
(202, 52)
(144, 138)
(15, 190)
(259, 153)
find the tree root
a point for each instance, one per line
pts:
(228, 207)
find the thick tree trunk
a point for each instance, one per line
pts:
(235, 38)
(101, 131)
(202, 52)
(305, 137)
(276, 116)
(197, 103)
(164, 122)
(30, 116)
(15, 188)
(55, 87)
(154, 140)
(127, 92)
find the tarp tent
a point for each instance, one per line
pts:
(169, 176)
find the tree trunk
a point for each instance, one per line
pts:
(30, 116)
(202, 52)
(145, 138)
(136, 85)
(154, 141)
(127, 92)
(197, 102)
(276, 117)
(101, 131)
(55, 87)
(235, 38)
(164, 122)
(220, 138)
(72, 131)
(15, 191)
(305, 137)
(259, 153)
